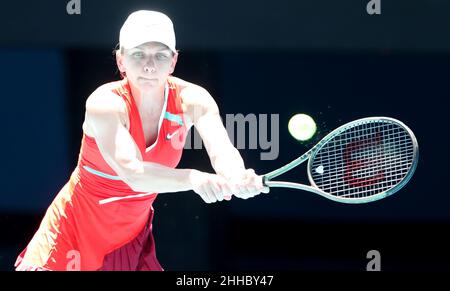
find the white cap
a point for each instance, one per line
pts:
(145, 26)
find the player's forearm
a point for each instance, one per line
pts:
(151, 177)
(228, 165)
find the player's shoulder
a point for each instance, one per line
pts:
(179, 82)
(104, 99)
(191, 93)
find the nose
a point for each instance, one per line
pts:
(150, 66)
(149, 69)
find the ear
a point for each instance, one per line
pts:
(174, 63)
(119, 61)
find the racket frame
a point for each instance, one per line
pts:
(310, 154)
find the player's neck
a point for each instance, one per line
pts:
(140, 97)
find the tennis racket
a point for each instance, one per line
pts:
(362, 161)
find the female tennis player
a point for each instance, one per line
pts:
(133, 136)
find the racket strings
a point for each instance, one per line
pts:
(363, 160)
(368, 178)
(354, 175)
(375, 165)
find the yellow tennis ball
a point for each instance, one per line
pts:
(302, 127)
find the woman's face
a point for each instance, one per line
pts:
(148, 65)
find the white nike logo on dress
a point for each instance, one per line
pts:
(170, 135)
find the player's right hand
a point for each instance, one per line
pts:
(210, 187)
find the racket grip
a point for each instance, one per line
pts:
(264, 180)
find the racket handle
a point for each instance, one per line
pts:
(264, 180)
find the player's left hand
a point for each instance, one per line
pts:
(248, 184)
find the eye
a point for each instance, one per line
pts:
(161, 57)
(137, 55)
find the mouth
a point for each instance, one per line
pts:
(147, 79)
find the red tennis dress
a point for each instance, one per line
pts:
(97, 222)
